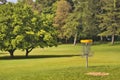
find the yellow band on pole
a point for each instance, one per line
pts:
(86, 41)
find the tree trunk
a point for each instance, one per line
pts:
(11, 52)
(75, 39)
(101, 38)
(66, 40)
(113, 37)
(28, 51)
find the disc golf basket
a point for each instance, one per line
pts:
(86, 49)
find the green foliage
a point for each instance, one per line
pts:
(61, 15)
(7, 26)
(20, 28)
(109, 18)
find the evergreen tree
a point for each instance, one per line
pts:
(109, 18)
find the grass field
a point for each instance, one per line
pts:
(61, 63)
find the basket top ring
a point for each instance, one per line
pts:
(86, 41)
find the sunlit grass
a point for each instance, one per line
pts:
(61, 63)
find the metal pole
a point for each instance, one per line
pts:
(86, 61)
(86, 53)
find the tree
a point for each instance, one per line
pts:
(16, 21)
(45, 5)
(40, 33)
(72, 25)
(6, 28)
(22, 28)
(61, 15)
(90, 28)
(109, 19)
(27, 29)
(81, 21)
(38, 29)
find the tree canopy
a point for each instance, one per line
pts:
(21, 28)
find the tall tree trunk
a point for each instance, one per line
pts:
(11, 52)
(101, 38)
(75, 39)
(113, 37)
(66, 40)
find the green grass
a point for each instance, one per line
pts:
(61, 63)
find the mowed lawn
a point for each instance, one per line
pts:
(61, 63)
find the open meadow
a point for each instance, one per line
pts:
(61, 63)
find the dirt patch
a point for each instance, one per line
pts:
(97, 73)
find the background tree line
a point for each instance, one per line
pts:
(28, 24)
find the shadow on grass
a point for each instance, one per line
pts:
(35, 57)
